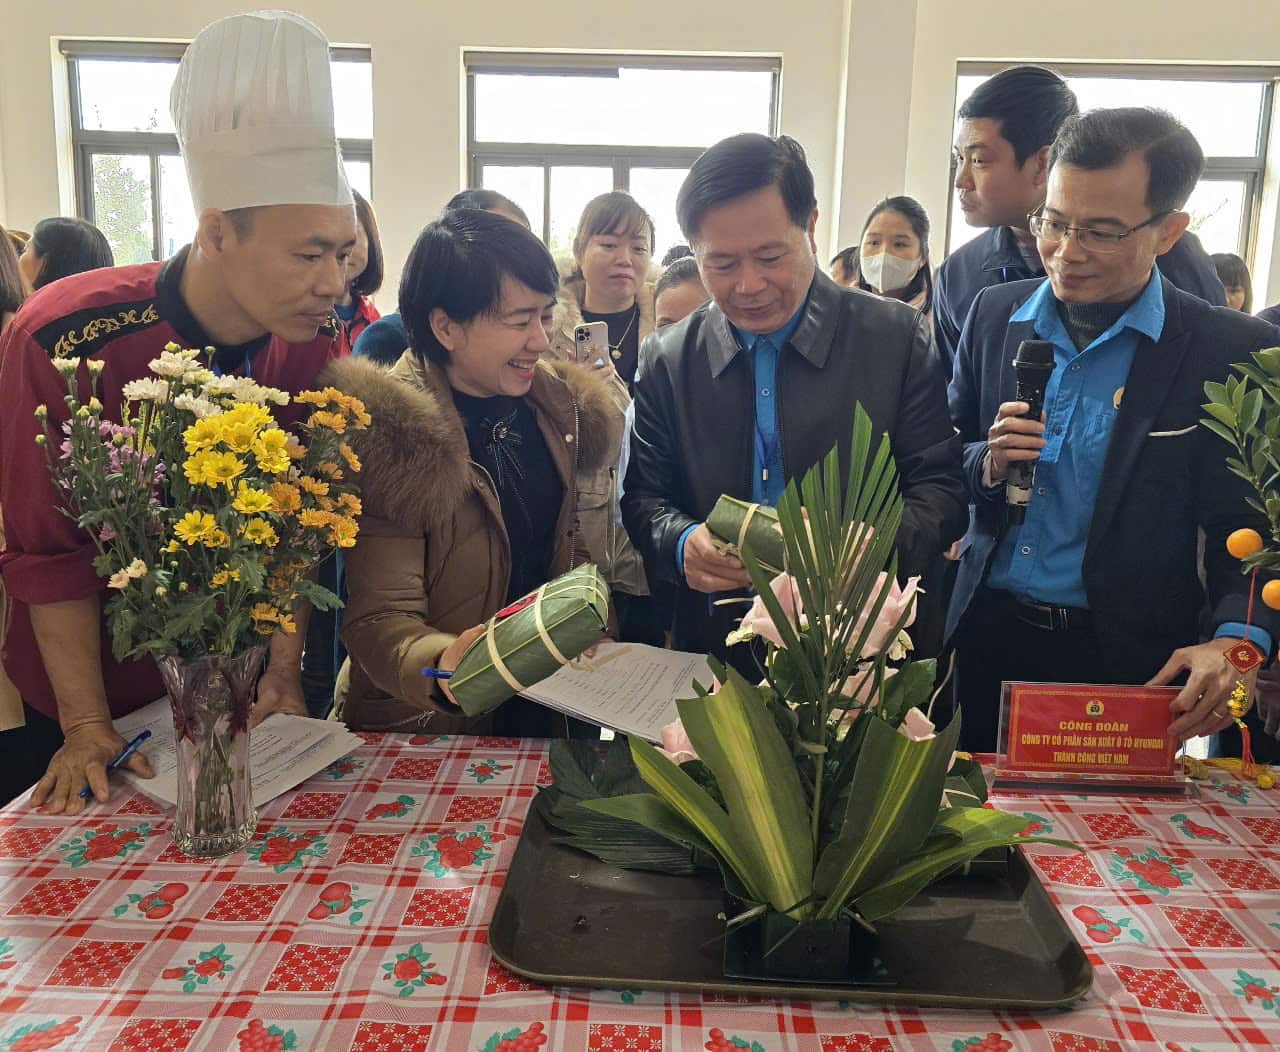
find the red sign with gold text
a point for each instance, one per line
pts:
(1089, 729)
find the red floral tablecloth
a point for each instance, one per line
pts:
(356, 921)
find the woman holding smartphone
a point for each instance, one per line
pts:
(609, 286)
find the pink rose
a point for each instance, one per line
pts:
(861, 684)
(676, 745)
(916, 726)
(898, 602)
(757, 622)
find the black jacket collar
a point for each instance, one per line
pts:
(173, 308)
(813, 336)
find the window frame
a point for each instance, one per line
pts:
(621, 159)
(1251, 170)
(88, 143)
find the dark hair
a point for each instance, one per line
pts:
(684, 269)
(1234, 273)
(676, 252)
(611, 213)
(369, 280)
(847, 258)
(742, 164)
(1030, 102)
(68, 246)
(486, 201)
(1103, 138)
(11, 291)
(913, 212)
(457, 265)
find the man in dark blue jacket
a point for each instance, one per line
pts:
(1001, 154)
(1100, 582)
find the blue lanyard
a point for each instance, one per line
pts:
(765, 452)
(217, 369)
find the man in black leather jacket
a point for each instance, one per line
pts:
(756, 386)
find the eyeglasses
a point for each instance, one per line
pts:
(1086, 237)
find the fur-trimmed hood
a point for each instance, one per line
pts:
(416, 465)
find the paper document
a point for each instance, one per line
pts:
(283, 751)
(629, 687)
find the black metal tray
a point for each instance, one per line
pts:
(565, 918)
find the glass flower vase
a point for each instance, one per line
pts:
(211, 698)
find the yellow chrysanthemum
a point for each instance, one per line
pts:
(204, 434)
(260, 532)
(194, 526)
(349, 455)
(342, 532)
(286, 624)
(250, 501)
(350, 503)
(239, 436)
(272, 450)
(330, 470)
(330, 421)
(295, 449)
(216, 539)
(264, 612)
(285, 499)
(224, 577)
(221, 469)
(247, 413)
(315, 520)
(314, 486)
(316, 398)
(173, 547)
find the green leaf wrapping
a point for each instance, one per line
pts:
(735, 735)
(896, 791)
(725, 523)
(966, 833)
(574, 612)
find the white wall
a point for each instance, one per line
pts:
(868, 86)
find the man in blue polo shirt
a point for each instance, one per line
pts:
(1001, 156)
(1100, 583)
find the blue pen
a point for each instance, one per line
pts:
(435, 673)
(118, 762)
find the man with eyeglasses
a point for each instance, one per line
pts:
(1001, 156)
(1100, 582)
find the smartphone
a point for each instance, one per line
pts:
(591, 342)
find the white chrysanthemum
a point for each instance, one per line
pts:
(200, 407)
(219, 386)
(172, 365)
(136, 569)
(146, 390)
(66, 366)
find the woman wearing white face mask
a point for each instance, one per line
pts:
(893, 256)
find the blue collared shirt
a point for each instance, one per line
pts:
(767, 479)
(1042, 560)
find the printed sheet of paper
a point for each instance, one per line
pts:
(283, 751)
(628, 687)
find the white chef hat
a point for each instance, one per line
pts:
(253, 108)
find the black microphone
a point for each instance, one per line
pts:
(1033, 365)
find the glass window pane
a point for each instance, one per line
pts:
(360, 177)
(571, 188)
(656, 190)
(177, 216)
(353, 99)
(638, 107)
(521, 183)
(125, 95)
(133, 95)
(961, 233)
(1217, 213)
(122, 205)
(1224, 116)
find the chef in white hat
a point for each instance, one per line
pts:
(253, 107)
